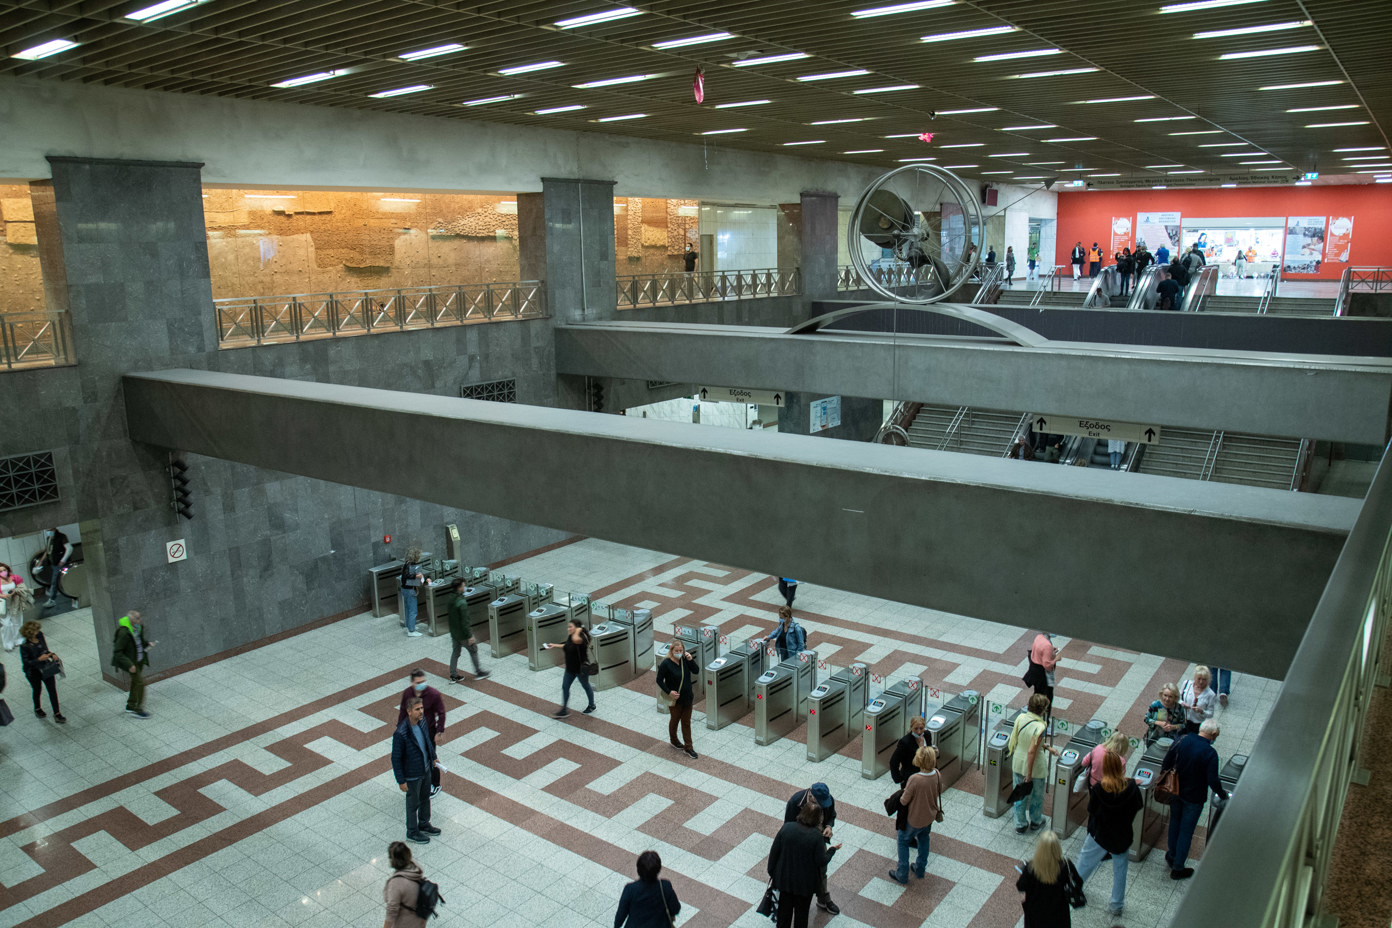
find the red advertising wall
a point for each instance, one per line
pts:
(1087, 215)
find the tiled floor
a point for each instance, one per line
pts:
(260, 793)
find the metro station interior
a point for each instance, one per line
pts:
(624, 314)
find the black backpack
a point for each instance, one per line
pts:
(427, 900)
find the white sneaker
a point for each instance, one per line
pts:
(413, 634)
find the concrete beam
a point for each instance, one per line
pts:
(1299, 396)
(1149, 563)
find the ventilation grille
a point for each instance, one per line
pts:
(27, 480)
(496, 391)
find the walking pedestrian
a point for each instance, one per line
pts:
(403, 888)
(1029, 763)
(1196, 762)
(462, 635)
(13, 596)
(1032, 261)
(689, 258)
(791, 638)
(1112, 806)
(1009, 264)
(820, 794)
(577, 655)
(797, 865)
(130, 652)
(1079, 254)
(648, 902)
(676, 676)
(1220, 678)
(413, 758)
(1043, 661)
(36, 658)
(57, 555)
(412, 580)
(787, 588)
(1045, 879)
(431, 700)
(922, 804)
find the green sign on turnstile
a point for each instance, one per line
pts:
(1062, 726)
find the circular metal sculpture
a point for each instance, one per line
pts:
(927, 223)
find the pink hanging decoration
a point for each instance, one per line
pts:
(926, 137)
(698, 85)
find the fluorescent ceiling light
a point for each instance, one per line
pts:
(1145, 96)
(1375, 172)
(1073, 170)
(623, 12)
(1044, 125)
(1302, 183)
(1267, 52)
(967, 34)
(438, 50)
(1104, 175)
(771, 59)
(1261, 162)
(1252, 30)
(905, 160)
(833, 75)
(952, 166)
(570, 108)
(1032, 53)
(161, 10)
(1190, 171)
(1227, 185)
(1223, 145)
(399, 199)
(1152, 167)
(46, 49)
(979, 109)
(864, 151)
(901, 8)
(909, 135)
(1363, 148)
(1074, 138)
(1200, 132)
(1242, 154)
(1040, 164)
(837, 122)
(730, 106)
(1010, 154)
(308, 79)
(622, 118)
(984, 173)
(890, 89)
(612, 81)
(1301, 86)
(1062, 73)
(1164, 119)
(401, 91)
(694, 40)
(1364, 158)
(808, 142)
(1321, 109)
(1158, 187)
(721, 131)
(1331, 125)
(528, 68)
(1203, 5)
(1031, 177)
(962, 145)
(486, 100)
(1282, 168)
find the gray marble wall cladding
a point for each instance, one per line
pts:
(267, 551)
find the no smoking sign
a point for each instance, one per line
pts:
(176, 550)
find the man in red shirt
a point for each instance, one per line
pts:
(433, 701)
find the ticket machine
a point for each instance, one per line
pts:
(886, 721)
(999, 781)
(730, 683)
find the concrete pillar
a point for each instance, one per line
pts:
(860, 418)
(531, 236)
(818, 242)
(579, 216)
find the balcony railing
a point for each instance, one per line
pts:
(264, 320)
(706, 286)
(888, 275)
(29, 340)
(1361, 280)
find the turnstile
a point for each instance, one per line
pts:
(385, 581)
(1067, 809)
(886, 721)
(954, 731)
(730, 683)
(833, 718)
(775, 702)
(995, 796)
(507, 623)
(640, 639)
(613, 652)
(1228, 775)
(703, 642)
(477, 595)
(547, 624)
(538, 593)
(433, 602)
(806, 673)
(1153, 821)
(579, 607)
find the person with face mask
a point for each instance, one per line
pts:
(676, 675)
(433, 702)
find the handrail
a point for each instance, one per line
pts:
(1302, 460)
(1268, 293)
(636, 290)
(1204, 284)
(1096, 295)
(990, 289)
(900, 418)
(952, 427)
(1342, 297)
(1363, 279)
(246, 321)
(1215, 445)
(1144, 296)
(31, 340)
(1052, 288)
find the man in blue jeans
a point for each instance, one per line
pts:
(1196, 763)
(413, 757)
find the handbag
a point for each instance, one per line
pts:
(672, 922)
(768, 906)
(1020, 791)
(590, 668)
(895, 802)
(1073, 886)
(51, 668)
(1167, 787)
(667, 698)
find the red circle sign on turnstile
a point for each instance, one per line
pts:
(857, 671)
(725, 639)
(821, 665)
(913, 686)
(876, 678)
(933, 692)
(803, 657)
(707, 633)
(771, 651)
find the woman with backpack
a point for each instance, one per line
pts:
(577, 657)
(404, 890)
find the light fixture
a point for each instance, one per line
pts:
(1301, 86)
(907, 160)
(730, 106)
(613, 81)
(1032, 53)
(1044, 125)
(569, 108)
(1331, 125)
(967, 34)
(1261, 162)
(1158, 187)
(1223, 145)
(771, 59)
(901, 8)
(1064, 73)
(399, 199)
(984, 173)
(1203, 5)
(962, 144)
(1252, 30)
(1302, 183)
(890, 89)
(864, 151)
(1321, 109)
(979, 109)
(1010, 154)
(909, 135)
(309, 79)
(1200, 132)
(1155, 167)
(1077, 170)
(837, 122)
(622, 118)
(1363, 158)
(1363, 148)
(1104, 175)
(623, 12)
(1030, 177)
(529, 68)
(45, 50)
(160, 10)
(1040, 164)
(694, 40)
(1227, 185)
(833, 75)
(721, 131)
(401, 91)
(1242, 154)
(1268, 52)
(808, 142)
(1164, 119)
(435, 52)
(486, 100)
(1145, 96)
(1187, 171)
(1074, 138)
(1382, 171)
(956, 166)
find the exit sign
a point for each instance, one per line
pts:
(1310, 175)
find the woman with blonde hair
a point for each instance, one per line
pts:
(1112, 808)
(921, 802)
(1116, 743)
(1046, 880)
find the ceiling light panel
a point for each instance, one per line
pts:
(622, 118)
(160, 10)
(433, 52)
(1063, 73)
(694, 40)
(1268, 52)
(979, 109)
(401, 91)
(1165, 119)
(834, 75)
(1197, 5)
(529, 68)
(1032, 53)
(1332, 125)
(1301, 86)
(721, 131)
(900, 8)
(1321, 109)
(771, 59)
(47, 49)
(1253, 30)
(569, 108)
(605, 16)
(730, 106)
(968, 34)
(615, 81)
(1145, 96)
(890, 89)
(500, 98)
(1046, 125)
(1074, 138)
(309, 79)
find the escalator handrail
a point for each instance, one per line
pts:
(1144, 286)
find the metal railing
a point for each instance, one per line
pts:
(991, 285)
(245, 321)
(706, 286)
(1363, 280)
(952, 427)
(1268, 864)
(897, 424)
(1302, 463)
(1022, 430)
(1204, 285)
(1273, 283)
(891, 276)
(1144, 296)
(1053, 276)
(30, 340)
(1210, 461)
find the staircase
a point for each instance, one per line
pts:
(1068, 298)
(1255, 460)
(930, 427)
(1231, 304)
(1300, 306)
(1180, 453)
(962, 429)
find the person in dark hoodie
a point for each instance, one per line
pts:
(1112, 807)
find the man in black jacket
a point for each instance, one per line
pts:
(797, 864)
(1196, 763)
(413, 757)
(820, 795)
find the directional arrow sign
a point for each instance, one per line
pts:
(741, 395)
(1097, 428)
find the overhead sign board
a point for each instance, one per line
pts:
(741, 395)
(1097, 428)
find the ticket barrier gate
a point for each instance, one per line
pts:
(806, 673)
(775, 702)
(547, 624)
(886, 721)
(1067, 809)
(507, 623)
(1228, 776)
(640, 639)
(477, 595)
(612, 646)
(1153, 821)
(730, 683)
(579, 607)
(954, 731)
(995, 797)
(835, 711)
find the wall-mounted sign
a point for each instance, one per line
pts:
(1097, 428)
(1338, 239)
(741, 395)
(1156, 229)
(176, 550)
(826, 414)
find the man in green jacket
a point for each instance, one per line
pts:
(131, 652)
(463, 634)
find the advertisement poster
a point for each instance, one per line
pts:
(1121, 233)
(1304, 245)
(1156, 229)
(1339, 239)
(826, 414)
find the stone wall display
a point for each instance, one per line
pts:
(21, 280)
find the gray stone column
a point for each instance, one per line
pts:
(819, 236)
(579, 216)
(860, 418)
